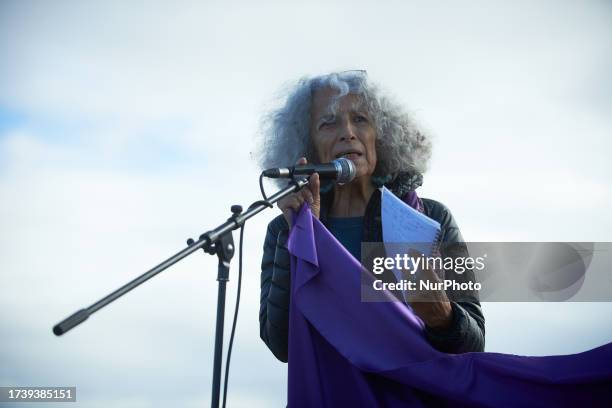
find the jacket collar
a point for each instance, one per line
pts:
(400, 185)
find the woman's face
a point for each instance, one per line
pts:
(349, 132)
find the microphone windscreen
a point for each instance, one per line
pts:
(347, 172)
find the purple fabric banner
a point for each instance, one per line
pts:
(343, 352)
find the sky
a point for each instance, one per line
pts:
(128, 127)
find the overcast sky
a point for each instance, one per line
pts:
(127, 127)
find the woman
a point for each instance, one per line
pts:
(344, 115)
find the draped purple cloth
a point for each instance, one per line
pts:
(344, 352)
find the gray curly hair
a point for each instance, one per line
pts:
(401, 146)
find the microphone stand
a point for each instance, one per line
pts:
(217, 241)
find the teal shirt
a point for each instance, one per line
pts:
(347, 230)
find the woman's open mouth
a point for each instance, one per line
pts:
(349, 155)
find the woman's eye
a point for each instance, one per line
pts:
(360, 118)
(326, 124)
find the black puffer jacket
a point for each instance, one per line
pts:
(466, 332)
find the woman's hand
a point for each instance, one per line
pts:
(432, 306)
(310, 193)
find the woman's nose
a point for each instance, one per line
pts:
(347, 131)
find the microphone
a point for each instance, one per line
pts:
(342, 170)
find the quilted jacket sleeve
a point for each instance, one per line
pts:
(275, 286)
(467, 330)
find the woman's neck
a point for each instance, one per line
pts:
(351, 200)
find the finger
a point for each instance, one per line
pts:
(296, 203)
(282, 203)
(291, 201)
(307, 194)
(315, 186)
(285, 203)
